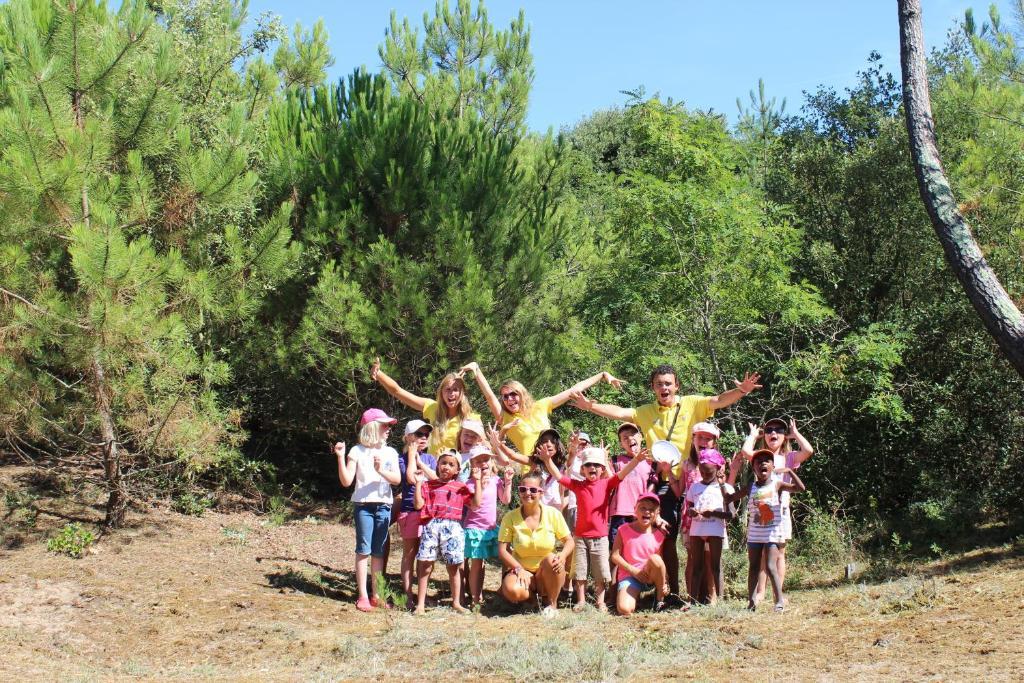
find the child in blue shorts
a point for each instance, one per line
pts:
(441, 502)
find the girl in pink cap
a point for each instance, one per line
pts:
(705, 435)
(373, 467)
(708, 512)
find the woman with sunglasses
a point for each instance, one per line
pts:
(777, 436)
(521, 417)
(526, 545)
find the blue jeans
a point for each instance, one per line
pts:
(372, 522)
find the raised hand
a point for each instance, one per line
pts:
(375, 368)
(514, 423)
(508, 474)
(614, 381)
(376, 463)
(476, 474)
(472, 366)
(580, 400)
(749, 382)
(755, 431)
(339, 450)
(792, 427)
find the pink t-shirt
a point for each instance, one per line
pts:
(484, 516)
(591, 504)
(631, 487)
(691, 475)
(638, 547)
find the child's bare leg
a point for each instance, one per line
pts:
(671, 557)
(599, 593)
(753, 572)
(695, 551)
(654, 572)
(781, 565)
(625, 600)
(423, 569)
(362, 565)
(455, 579)
(409, 548)
(476, 580)
(714, 562)
(689, 565)
(581, 591)
(376, 568)
(773, 575)
(762, 577)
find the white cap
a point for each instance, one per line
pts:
(475, 426)
(594, 455)
(415, 425)
(583, 436)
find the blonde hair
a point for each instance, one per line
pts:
(441, 416)
(371, 434)
(525, 398)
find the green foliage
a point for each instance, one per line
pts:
(190, 503)
(72, 540)
(277, 512)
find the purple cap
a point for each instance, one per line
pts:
(376, 415)
(711, 456)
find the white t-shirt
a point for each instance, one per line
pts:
(370, 487)
(575, 472)
(705, 498)
(765, 513)
(552, 494)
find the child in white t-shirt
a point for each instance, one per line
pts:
(708, 511)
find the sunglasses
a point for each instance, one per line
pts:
(422, 435)
(529, 489)
(509, 395)
(775, 430)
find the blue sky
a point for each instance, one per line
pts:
(704, 53)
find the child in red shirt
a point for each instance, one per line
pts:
(593, 495)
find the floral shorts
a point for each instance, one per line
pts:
(442, 539)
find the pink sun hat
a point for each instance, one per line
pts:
(711, 456)
(375, 415)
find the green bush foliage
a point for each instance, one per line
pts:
(72, 540)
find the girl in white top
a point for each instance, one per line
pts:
(708, 512)
(372, 467)
(765, 531)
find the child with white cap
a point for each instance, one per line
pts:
(416, 464)
(373, 467)
(480, 524)
(593, 496)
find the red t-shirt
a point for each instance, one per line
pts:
(444, 500)
(592, 498)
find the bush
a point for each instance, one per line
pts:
(192, 504)
(71, 540)
(821, 538)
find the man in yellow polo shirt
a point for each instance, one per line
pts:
(655, 421)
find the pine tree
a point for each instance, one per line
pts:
(130, 243)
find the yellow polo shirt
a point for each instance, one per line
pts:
(654, 420)
(524, 435)
(530, 546)
(446, 437)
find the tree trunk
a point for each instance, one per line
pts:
(117, 495)
(997, 310)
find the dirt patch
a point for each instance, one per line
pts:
(227, 597)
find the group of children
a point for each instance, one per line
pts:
(623, 515)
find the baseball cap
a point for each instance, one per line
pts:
(413, 426)
(649, 496)
(763, 454)
(376, 415)
(474, 426)
(627, 425)
(583, 436)
(594, 456)
(480, 449)
(707, 428)
(775, 421)
(711, 456)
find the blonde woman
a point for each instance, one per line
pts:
(445, 412)
(372, 467)
(522, 418)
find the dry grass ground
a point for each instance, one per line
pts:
(229, 597)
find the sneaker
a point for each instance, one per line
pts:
(660, 606)
(548, 612)
(364, 605)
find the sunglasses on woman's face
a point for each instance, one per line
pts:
(775, 430)
(508, 395)
(529, 489)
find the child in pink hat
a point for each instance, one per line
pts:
(708, 513)
(637, 558)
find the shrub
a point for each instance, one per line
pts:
(71, 540)
(191, 504)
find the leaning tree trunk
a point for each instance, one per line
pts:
(117, 495)
(998, 313)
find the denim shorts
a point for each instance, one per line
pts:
(633, 582)
(372, 522)
(765, 546)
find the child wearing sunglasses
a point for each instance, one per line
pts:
(778, 436)
(593, 498)
(441, 502)
(416, 464)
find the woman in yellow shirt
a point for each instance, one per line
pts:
(445, 412)
(521, 417)
(526, 546)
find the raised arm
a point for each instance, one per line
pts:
(500, 448)
(346, 466)
(477, 475)
(505, 488)
(747, 449)
(485, 388)
(560, 398)
(612, 412)
(795, 486)
(727, 398)
(417, 495)
(550, 466)
(806, 450)
(631, 465)
(415, 402)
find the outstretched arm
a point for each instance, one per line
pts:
(727, 398)
(415, 402)
(612, 412)
(550, 466)
(559, 399)
(485, 388)
(631, 465)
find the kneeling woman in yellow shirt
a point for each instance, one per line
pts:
(518, 414)
(526, 545)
